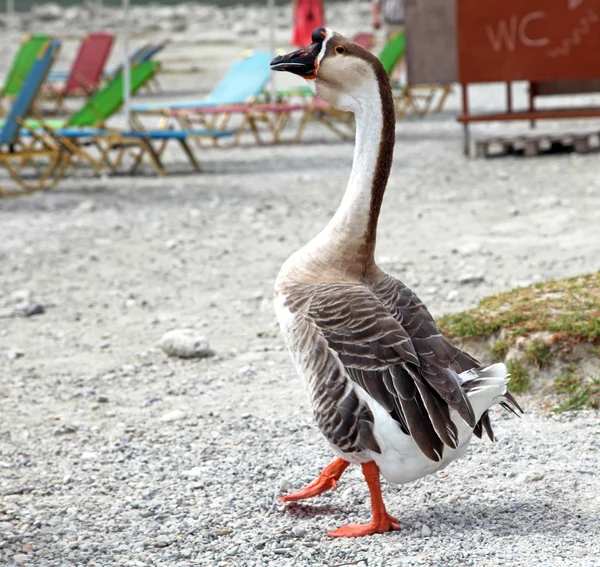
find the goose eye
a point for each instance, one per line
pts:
(339, 49)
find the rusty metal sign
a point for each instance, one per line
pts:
(532, 40)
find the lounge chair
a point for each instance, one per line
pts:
(86, 71)
(19, 154)
(244, 82)
(31, 47)
(87, 129)
(84, 127)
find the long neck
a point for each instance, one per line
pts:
(352, 230)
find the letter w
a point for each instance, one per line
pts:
(506, 33)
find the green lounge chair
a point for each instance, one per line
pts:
(102, 104)
(31, 47)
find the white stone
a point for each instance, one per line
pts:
(175, 415)
(185, 343)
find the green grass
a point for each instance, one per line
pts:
(583, 396)
(499, 350)
(519, 376)
(538, 354)
(568, 309)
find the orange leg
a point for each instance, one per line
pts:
(382, 521)
(327, 479)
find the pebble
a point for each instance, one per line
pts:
(163, 541)
(14, 354)
(175, 415)
(196, 472)
(64, 429)
(425, 531)
(186, 343)
(452, 295)
(530, 476)
(471, 279)
(298, 531)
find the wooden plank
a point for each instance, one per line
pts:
(536, 40)
(545, 114)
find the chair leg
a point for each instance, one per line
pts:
(190, 155)
(154, 157)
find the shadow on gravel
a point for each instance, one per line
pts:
(517, 517)
(310, 511)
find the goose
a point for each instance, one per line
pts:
(387, 390)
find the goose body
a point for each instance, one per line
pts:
(387, 390)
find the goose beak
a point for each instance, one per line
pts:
(303, 62)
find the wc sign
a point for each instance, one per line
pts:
(507, 33)
(530, 40)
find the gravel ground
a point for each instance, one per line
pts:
(112, 453)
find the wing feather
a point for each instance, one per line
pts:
(410, 376)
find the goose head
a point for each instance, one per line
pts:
(338, 70)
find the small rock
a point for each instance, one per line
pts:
(298, 531)
(175, 415)
(14, 354)
(89, 456)
(162, 541)
(19, 558)
(530, 476)
(472, 279)
(85, 207)
(185, 343)
(21, 296)
(196, 472)
(65, 428)
(452, 295)
(425, 531)
(102, 399)
(285, 486)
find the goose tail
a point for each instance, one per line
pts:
(486, 387)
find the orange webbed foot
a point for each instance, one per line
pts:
(386, 524)
(327, 480)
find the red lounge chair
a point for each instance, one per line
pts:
(86, 71)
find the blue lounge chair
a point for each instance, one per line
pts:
(244, 81)
(18, 153)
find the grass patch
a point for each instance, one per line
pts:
(568, 383)
(499, 350)
(583, 396)
(519, 376)
(538, 354)
(569, 309)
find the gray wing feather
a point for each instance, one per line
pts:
(372, 339)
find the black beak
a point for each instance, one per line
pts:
(303, 62)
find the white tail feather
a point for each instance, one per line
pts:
(485, 387)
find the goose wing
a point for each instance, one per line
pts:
(349, 323)
(436, 352)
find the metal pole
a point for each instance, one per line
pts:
(10, 7)
(272, 45)
(99, 7)
(126, 69)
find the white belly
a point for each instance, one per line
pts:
(401, 460)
